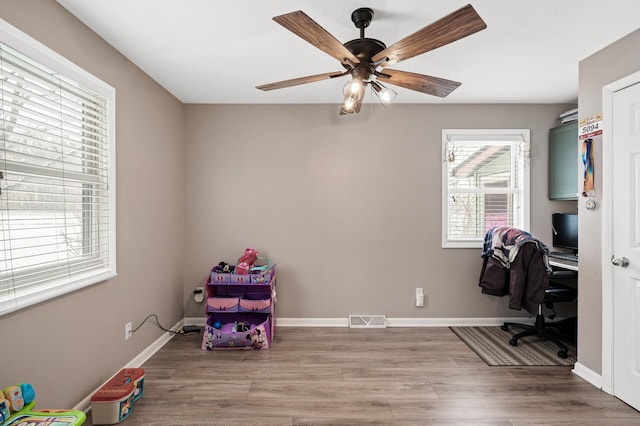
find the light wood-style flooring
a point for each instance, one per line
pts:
(341, 376)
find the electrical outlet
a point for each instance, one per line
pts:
(127, 331)
(198, 294)
(419, 297)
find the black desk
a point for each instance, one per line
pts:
(563, 264)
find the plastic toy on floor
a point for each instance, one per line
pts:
(13, 394)
(16, 409)
(113, 402)
(4, 409)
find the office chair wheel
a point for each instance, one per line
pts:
(514, 342)
(563, 354)
(504, 327)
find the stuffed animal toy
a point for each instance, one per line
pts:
(222, 268)
(246, 261)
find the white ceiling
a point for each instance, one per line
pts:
(217, 51)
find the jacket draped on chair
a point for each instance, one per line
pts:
(516, 264)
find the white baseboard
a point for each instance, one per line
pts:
(396, 322)
(587, 374)
(139, 360)
(391, 322)
(199, 321)
(449, 322)
(312, 322)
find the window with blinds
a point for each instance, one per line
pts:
(57, 193)
(485, 179)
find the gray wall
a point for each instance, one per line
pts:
(606, 66)
(349, 207)
(69, 346)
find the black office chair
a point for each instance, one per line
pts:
(555, 292)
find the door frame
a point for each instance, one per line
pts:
(608, 92)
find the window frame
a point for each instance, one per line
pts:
(38, 52)
(518, 139)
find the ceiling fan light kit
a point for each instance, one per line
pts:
(366, 59)
(353, 96)
(385, 95)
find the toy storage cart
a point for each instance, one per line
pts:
(113, 402)
(240, 311)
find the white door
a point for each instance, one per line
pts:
(626, 244)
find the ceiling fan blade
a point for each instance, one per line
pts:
(459, 24)
(300, 80)
(422, 83)
(309, 30)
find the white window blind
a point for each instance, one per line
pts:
(57, 219)
(485, 183)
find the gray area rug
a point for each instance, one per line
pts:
(492, 345)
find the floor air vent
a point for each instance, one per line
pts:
(367, 321)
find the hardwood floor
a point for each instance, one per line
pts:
(341, 376)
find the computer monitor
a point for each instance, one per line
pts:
(565, 230)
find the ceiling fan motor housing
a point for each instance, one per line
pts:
(363, 48)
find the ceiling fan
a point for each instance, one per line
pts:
(366, 59)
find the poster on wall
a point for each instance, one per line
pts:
(589, 132)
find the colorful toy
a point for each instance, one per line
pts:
(246, 261)
(4, 409)
(48, 418)
(14, 396)
(23, 395)
(240, 326)
(217, 325)
(113, 402)
(28, 393)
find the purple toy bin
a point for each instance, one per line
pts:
(222, 304)
(263, 276)
(254, 305)
(240, 278)
(258, 336)
(218, 278)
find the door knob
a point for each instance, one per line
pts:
(619, 261)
